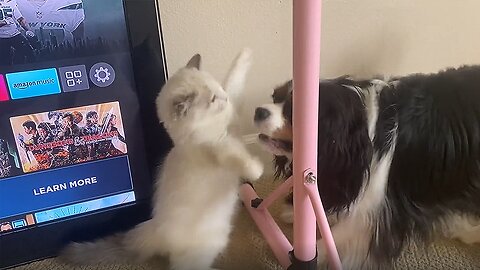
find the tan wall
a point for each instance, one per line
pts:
(360, 37)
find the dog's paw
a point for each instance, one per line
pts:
(470, 236)
(287, 213)
(253, 169)
(322, 261)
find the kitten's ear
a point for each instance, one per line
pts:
(195, 62)
(181, 106)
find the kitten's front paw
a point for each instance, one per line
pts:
(253, 169)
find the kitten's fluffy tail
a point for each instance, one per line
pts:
(107, 250)
(132, 246)
(234, 82)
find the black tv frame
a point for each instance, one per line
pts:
(150, 71)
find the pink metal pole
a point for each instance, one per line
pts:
(307, 202)
(306, 55)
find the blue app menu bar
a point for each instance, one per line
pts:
(42, 82)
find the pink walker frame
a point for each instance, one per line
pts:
(308, 208)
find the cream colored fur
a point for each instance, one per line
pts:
(196, 189)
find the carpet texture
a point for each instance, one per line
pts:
(248, 250)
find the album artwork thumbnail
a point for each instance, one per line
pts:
(71, 136)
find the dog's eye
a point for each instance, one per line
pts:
(213, 98)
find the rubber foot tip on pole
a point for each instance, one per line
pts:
(301, 265)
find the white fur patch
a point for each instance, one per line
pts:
(373, 194)
(461, 227)
(274, 122)
(287, 213)
(371, 103)
(369, 97)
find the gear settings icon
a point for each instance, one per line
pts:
(102, 74)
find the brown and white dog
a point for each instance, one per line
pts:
(398, 160)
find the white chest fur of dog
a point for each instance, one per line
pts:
(196, 189)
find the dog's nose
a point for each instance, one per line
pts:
(261, 114)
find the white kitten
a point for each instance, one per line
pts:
(196, 190)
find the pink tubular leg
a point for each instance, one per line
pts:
(306, 55)
(323, 226)
(283, 189)
(267, 226)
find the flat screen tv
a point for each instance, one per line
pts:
(79, 136)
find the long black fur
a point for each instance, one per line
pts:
(344, 148)
(436, 166)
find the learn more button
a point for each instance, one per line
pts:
(33, 83)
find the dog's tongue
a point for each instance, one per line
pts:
(263, 137)
(280, 144)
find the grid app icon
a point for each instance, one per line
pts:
(74, 78)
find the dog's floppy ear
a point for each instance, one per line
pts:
(181, 105)
(195, 62)
(345, 150)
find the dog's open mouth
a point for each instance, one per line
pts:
(275, 145)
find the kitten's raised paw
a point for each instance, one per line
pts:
(253, 169)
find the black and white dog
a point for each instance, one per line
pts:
(398, 160)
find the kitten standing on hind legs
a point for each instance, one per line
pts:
(197, 189)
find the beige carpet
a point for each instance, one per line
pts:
(248, 250)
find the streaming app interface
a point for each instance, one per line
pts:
(70, 136)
